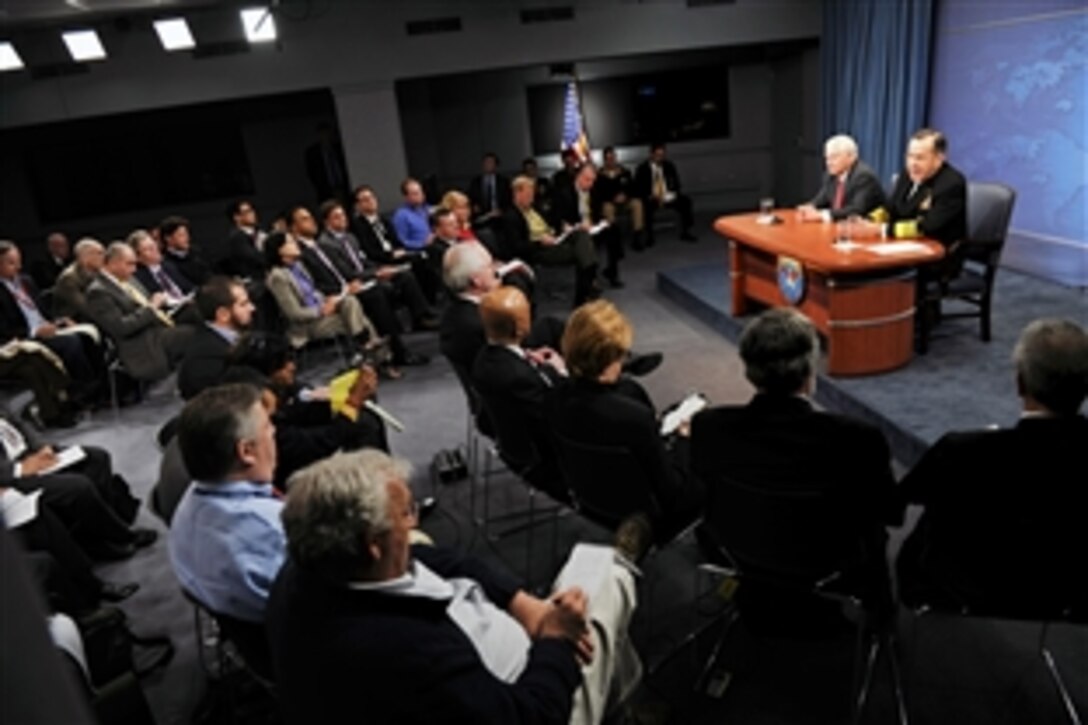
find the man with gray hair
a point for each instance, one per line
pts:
(361, 622)
(850, 188)
(226, 539)
(149, 343)
(1002, 524)
(779, 442)
(70, 290)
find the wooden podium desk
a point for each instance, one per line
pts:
(862, 301)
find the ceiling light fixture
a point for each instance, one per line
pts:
(9, 57)
(84, 45)
(259, 25)
(174, 34)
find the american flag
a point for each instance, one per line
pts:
(574, 132)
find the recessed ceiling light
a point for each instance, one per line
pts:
(174, 34)
(84, 45)
(9, 57)
(259, 25)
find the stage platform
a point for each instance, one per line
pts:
(962, 383)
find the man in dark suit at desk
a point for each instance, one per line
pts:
(779, 442)
(658, 184)
(1003, 522)
(850, 188)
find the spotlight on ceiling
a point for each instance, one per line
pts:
(259, 25)
(84, 45)
(174, 34)
(9, 57)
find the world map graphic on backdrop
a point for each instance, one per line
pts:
(1011, 97)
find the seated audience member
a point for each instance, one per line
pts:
(658, 185)
(575, 207)
(149, 343)
(95, 505)
(359, 616)
(22, 318)
(39, 369)
(378, 240)
(850, 188)
(226, 539)
(529, 236)
(469, 273)
(412, 220)
(597, 406)
(515, 383)
(310, 314)
(489, 192)
(58, 255)
(376, 300)
(157, 274)
(179, 251)
(614, 191)
(1001, 528)
(227, 312)
(564, 177)
(543, 184)
(779, 442)
(307, 427)
(396, 282)
(70, 290)
(461, 207)
(241, 256)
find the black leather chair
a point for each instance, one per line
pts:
(799, 566)
(236, 645)
(989, 208)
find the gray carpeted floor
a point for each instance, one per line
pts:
(983, 672)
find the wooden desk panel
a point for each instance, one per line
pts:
(862, 302)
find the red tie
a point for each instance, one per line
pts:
(840, 195)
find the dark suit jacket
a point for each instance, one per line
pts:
(134, 328)
(515, 393)
(34, 442)
(369, 242)
(461, 333)
(334, 250)
(401, 659)
(152, 285)
(644, 178)
(503, 194)
(192, 266)
(1003, 524)
(515, 233)
(45, 271)
(565, 206)
(205, 361)
(12, 322)
(781, 443)
(606, 188)
(617, 415)
(241, 258)
(325, 278)
(862, 194)
(939, 205)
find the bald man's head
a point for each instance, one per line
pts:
(506, 315)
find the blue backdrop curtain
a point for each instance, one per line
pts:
(875, 68)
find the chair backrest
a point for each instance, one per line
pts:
(989, 209)
(790, 535)
(249, 638)
(607, 482)
(472, 398)
(515, 434)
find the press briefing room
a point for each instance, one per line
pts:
(620, 362)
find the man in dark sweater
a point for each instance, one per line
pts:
(360, 621)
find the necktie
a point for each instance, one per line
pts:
(310, 298)
(167, 284)
(138, 297)
(659, 183)
(12, 440)
(349, 249)
(328, 265)
(379, 230)
(840, 194)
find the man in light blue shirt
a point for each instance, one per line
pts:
(226, 540)
(412, 220)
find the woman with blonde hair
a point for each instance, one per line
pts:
(598, 406)
(459, 204)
